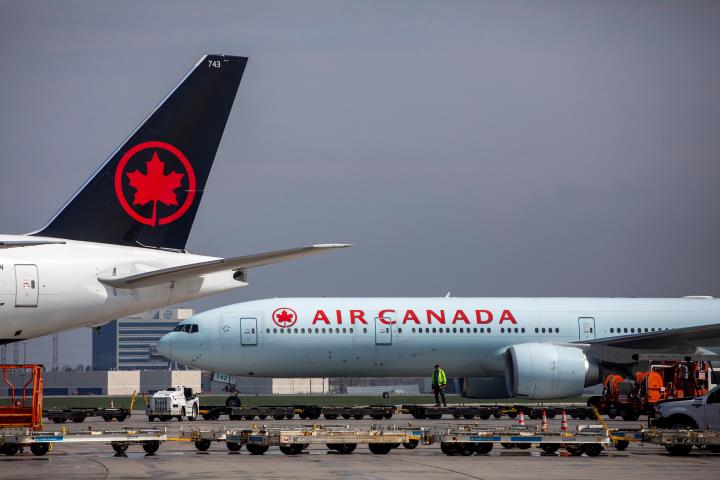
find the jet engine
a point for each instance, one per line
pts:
(543, 371)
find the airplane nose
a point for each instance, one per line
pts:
(164, 345)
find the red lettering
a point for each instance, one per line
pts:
(506, 315)
(460, 316)
(338, 317)
(440, 318)
(479, 316)
(358, 315)
(410, 315)
(386, 321)
(320, 317)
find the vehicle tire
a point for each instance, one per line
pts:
(279, 417)
(107, 418)
(346, 416)
(377, 416)
(621, 445)
(679, 450)
(549, 447)
(523, 445)
(388, 416)
(434, 416)
(497, 415)
(262, 417)
(249, 417)
(257, 449)
(234, 446)
(235, 417)
(330, 416)
(534, 415)
(81, 419)
(342, 448)
(151, 418)
(483, 447)
(292, 449)
(380, 448)
(233, 402)
(40, 449)
(290, 416)
(202, 444)
(183, 414)
(714, 448)
(630, 416)
(551, 414)
(512, 415)
(456, 416)
(466, 449)
(612, 416)
(122, 417)
(507, 445)
(592, 449)
(682, 423)
(448, 448)
(11, 448)
(582, 416)
(58, 420)
(303, 416)
(165, 418)
(120, 448)
(574, 449)
(151, 446)
(485, 416)
(469, 416)
(412, 444)
(358, 416)
(194, 413)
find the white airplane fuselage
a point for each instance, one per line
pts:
(55, 287)
(375, 337)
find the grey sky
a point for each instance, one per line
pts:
(483, 148)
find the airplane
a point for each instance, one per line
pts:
(117, 247)
(534, 348)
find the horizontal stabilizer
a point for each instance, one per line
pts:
(183, 272)
(28, 243)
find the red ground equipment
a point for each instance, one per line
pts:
(23, 386)
(630, 398)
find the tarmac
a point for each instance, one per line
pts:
(181, 460)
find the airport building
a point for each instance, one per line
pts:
(127, 343)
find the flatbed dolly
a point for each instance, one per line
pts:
(13, 441)
(78, 415)
(246, 412)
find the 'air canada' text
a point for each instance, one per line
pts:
(420, 317)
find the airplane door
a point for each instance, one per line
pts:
(383, 333)
(586, 327)
(26, 286)
(248, 331)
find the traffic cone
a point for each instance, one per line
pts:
(544, 425)
(521, 421)
(564, 422)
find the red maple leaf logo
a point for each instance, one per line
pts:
(284, 317)
(154, 186)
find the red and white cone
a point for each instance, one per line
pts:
(544, 425)
(521, 421)
(564, 422)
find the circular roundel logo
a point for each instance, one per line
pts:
(284, 317)
(155, 183)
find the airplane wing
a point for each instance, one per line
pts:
(182, 272)
(701, 336)
(28, 243)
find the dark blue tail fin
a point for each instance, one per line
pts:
(148, 192)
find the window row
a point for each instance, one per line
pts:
(639, 330)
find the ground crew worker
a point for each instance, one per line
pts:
(439, 380)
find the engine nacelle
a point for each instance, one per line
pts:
(544, 371)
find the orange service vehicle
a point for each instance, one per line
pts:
(21, 402)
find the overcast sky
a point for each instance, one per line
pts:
(484, 148)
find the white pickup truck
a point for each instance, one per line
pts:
(697, 413)
(176, 402)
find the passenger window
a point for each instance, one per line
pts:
(612, 330)
(488, 330)
(537, 330)
(502, 330)
(522, 330)
(474, 330)
(626, 330)
(557, 330)
(543, 330)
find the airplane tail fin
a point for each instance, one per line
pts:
(148, 191)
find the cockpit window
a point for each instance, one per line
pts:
(187, 328)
